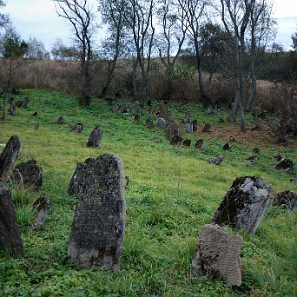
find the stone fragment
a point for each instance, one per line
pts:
(217, 254)
(199, 144)
(97, 234)
(206, 128)
(244, 204)
(149, 123)
(79, 127)
(8, 157)
(251, 160)
(227, 147)
(10, 238)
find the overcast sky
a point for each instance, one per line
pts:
(38, 18)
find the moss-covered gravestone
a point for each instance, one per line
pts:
(244, 204)
(97, 234)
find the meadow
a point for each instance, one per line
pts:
(172, 193)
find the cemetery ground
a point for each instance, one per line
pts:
(172, 193)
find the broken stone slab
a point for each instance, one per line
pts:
(42, 205)
(244, 204)
(97, 234)
(95, 137)
(10, 238)
(217, 254)
(28, 173)
(79, 127)
(286, 198)
(8, 157)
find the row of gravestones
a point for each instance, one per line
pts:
(97, 234)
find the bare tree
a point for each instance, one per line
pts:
(139, 19)
(193, 11)
(112, 12)
(171, 39)
(36, 50)
(262, 31)
(235, 15)
(80, 15)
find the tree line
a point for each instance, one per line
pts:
(231, 37)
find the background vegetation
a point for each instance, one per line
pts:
(171, 194)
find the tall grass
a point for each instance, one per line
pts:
(172, 193)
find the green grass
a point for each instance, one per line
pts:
(172, 193)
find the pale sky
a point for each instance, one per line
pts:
(38, 18)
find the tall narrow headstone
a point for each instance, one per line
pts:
(244, 204)
(8, 157)
(10, 238)
(98, 227)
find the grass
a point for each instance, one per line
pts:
(172, 193)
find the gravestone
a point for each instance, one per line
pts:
(186, 118)
(28, 173)
(164, 112)
(286, 198)
(160, 122)
(279, 157)
(149, 123)
(116, 107)
(189, 127)
(127, 108)
(251, 159)
(285, 165)
(98, 227)
(137, 107)
(59, 121)
(19, 103)
(186, 142)
(217, 254)
(199, 144)
(218, 159)
(227, 147)
(42, 205)
(10, 238)
(79, 127)
(95, 137)
(194, 122)
(8, 157)
(206, 128)
(25, 103)
(12, 109)
(244, 204)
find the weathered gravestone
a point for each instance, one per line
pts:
(10, 238)
(217, 160)
(189, 127)
(42, 205)
(286, 198)
(8, 157)
(98, 227)
(95, 137)
(25, 103)
(285, 165)
(217, 254)
(12, 109)
(28, 173)
(160, 122)
(244, 204)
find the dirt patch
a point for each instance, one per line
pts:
(259, 135)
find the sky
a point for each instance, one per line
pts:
(38, 18)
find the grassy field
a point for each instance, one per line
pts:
(172, 193)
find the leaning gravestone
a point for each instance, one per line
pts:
(10, 238)
(8, 157)
(98, 227)
(244, 204)
(217, 254)
(95, 137)
(28, 173)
